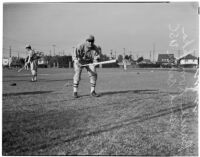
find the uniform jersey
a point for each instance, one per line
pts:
(33, 56)
(86, 54)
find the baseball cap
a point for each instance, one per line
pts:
(90, 38)
(28, 46)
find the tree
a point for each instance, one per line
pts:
(120, 58)
(104, 57)
(99, 48)
(126, 57)
(17, 62)
(64, 61)
(130, 57)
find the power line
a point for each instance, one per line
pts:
(25, 42)
(32, 43)
(54, 49)
(15, 50)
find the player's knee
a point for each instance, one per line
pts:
(76, 78)
(34, 73)
(95, 76)
(93, 79)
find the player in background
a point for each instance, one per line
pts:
(86, 53)
(33, 61)
(10, 62)
(125, 62)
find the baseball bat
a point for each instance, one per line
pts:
(98, 63)
(21, 69)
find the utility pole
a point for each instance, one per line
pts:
(10, 52)
(10, 57)
(73, 49)
(111, 54)
(179, 53)
(54, 49)
(154, 45)
(130, 56)
(150, 55)
(124, 54)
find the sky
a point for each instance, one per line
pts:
(136, 28)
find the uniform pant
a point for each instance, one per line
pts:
(33, 66)
(91, 69)
(125, 66)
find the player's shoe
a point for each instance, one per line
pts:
(33, 80)
(94, 94)
(75, 95)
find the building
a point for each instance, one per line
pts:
(146, 61)
(5, 62)
(42, 62)
(121, 64)
(166, 60)
(188, 61)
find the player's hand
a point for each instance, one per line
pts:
(96, 59)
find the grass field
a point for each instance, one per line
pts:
(139, 112)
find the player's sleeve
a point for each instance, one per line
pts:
(76, 53)
(97, 55)
(30, 54)
(26, 60)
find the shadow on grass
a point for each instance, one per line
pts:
(138, 119)
(101, 129)
(145, 91)
(12, 76)
(27, 93)
(45, 80)
(27, 80)
(39, 80)
(101, 94)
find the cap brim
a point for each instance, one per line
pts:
(90, 40)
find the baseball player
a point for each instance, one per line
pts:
(86, 53)
(10, 62)
(32, 60)
(125, 62)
